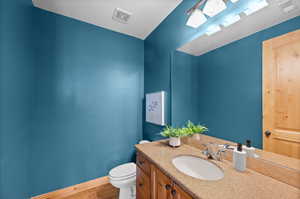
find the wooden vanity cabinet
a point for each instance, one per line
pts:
(162, 187)
(152, 183)
(142, 185)
(161, 184)
(179, 193)
(143, 180)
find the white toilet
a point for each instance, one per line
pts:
(123, 177)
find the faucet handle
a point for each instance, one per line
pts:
(222, 150)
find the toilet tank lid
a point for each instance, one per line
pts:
(144, 141)
(123, 170)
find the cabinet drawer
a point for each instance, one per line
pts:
(142, 184)
(143, 163)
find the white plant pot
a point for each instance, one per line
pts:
(174, 141)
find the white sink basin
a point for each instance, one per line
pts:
(198, 168)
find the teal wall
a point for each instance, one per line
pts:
(186, 93)
(227, 91)
(88, 103)
(16, 82)
(71, 100)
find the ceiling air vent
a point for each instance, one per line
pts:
(121, 16)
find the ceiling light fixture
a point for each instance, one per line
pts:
(234, 1)
(212, 30)
(196, 19)
(256, 6)
(230, 19)
(196, 6)
(214, 7)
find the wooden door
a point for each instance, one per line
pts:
(161, 185)
(281, 95)
(178, 193)
(142, 185)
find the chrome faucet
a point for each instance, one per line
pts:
(215, 151)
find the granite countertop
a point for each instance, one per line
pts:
(234, 185)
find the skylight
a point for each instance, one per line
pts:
(210, 16)
(230, 19)
(214, 7)
(255, 6)
(196, 19)
(213, 29)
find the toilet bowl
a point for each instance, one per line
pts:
(124, 177)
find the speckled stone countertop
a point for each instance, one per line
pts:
(234, 185)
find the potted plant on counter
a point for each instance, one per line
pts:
(174, 134)
(196, 130)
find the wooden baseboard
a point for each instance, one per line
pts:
(99, 188)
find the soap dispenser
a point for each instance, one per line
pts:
(239, 158)
(250, 150)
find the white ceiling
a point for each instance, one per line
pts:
(263, 19)
(146, 14)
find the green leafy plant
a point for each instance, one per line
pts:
(171, 132)
(193, 129)
(188, 130)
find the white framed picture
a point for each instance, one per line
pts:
(155, 108)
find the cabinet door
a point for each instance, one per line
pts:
(143, 163)
(178, 193)
(142, 185)
(161, 185)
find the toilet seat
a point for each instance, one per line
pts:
(123, 172)
(123, 177)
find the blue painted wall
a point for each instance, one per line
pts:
(89, 92)
(71, 100)
(186, 98)
(16, 82)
